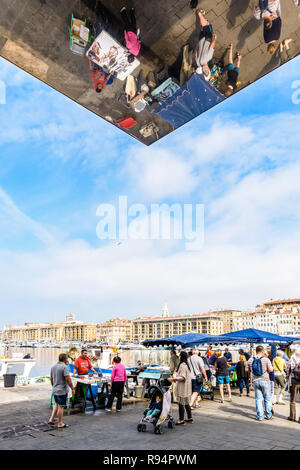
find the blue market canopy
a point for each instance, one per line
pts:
(251, 335)
(190, 340)
(179, 340)
(195, 97)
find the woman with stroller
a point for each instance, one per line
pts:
(242, 375)
(183, 389)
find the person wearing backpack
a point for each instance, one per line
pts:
(293, 371)
(260, 367)
(198, 375)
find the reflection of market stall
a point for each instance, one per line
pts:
(108, 54)
(112, 64)
(194, 98)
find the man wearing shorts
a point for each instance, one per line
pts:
(222, 373)
(60, 380)
(206, 46)
(232, 72)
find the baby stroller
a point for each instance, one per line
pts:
(165, 416)
(207, 391)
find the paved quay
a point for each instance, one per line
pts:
(228, 426)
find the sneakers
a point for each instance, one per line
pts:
(107, 409)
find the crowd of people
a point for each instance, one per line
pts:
(200, 59)
(269, 372)
(269, 376)
(266, 11)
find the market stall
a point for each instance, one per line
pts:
(184, 340)
(254, 336)
(87, 389)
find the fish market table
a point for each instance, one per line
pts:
(83, 390)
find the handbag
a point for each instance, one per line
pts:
(199, 378)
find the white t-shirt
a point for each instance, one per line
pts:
(195, 362)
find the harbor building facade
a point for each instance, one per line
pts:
(162, 326)
(117, 330)
(69, 330)
(281, 317)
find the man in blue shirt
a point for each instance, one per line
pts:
(228, 355)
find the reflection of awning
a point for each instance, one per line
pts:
(193, 98)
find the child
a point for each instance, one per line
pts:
(232, 72)
(154, 409)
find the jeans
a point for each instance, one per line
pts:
(244, 382)
(263, 397)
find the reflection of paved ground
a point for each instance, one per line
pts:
(216, 426)
(34, 35)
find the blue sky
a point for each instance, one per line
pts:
(59, 162)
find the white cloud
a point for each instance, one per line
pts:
(159, 174)
(246, 172)
(134, 279)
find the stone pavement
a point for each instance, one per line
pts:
(34, 35)
(217, 426)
